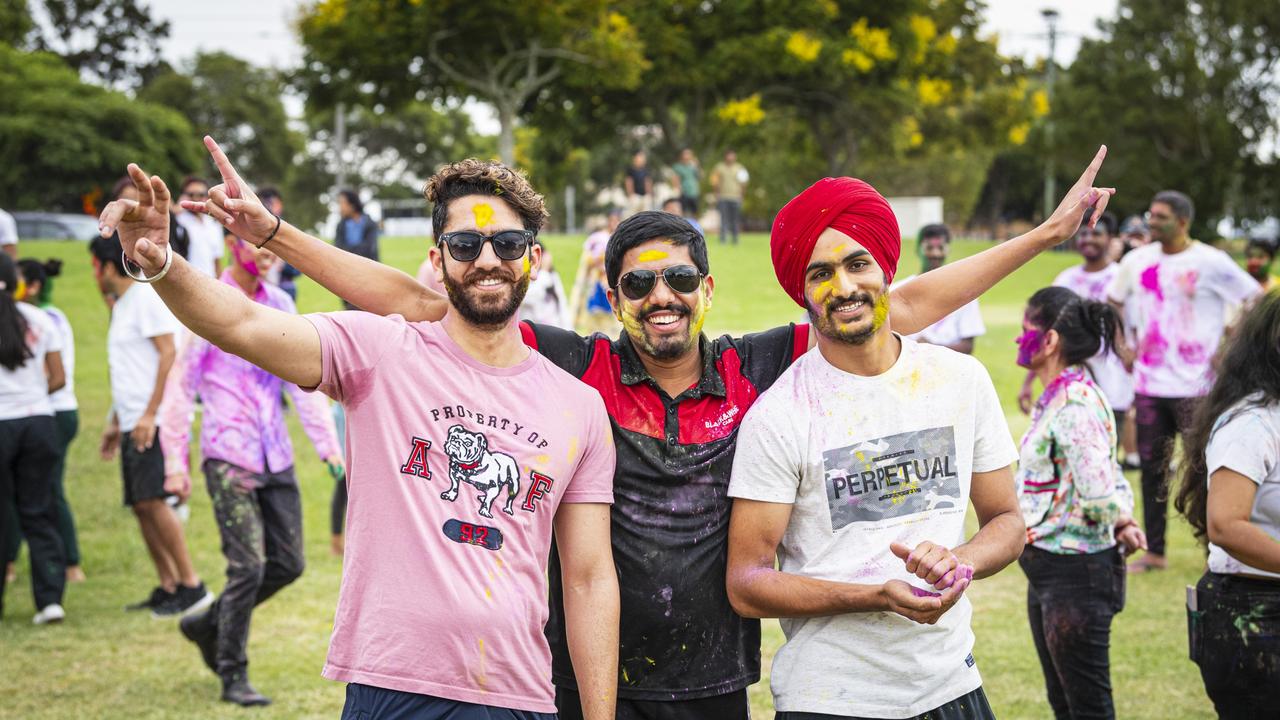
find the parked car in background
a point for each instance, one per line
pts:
(55, 226)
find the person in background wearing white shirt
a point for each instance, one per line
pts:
(205, 253)
(34, 276)
(30, 369)
(140, 353)
(854, 471)
(8, 234)
(1230, 493)
(958, 330)
(1180, 292)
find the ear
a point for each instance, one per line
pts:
(436, 255)
(1050, 342)
(709, 288)
(615, 303)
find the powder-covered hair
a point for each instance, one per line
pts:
(483, 177)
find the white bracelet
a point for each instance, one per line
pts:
(168, 263)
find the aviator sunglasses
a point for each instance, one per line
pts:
(682, 279)
(465, 245)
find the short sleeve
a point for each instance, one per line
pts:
(592, 481)
(1122, 284)
(1233, 284)
(351, 345)
(568, 350)
(155, 318)
(768, 463)
(1246, 444)
(992, 444)
(50, 333)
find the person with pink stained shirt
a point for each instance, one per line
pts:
(248, 467)
(1177, 294)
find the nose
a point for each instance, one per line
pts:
(661, 294)
(488, 259)
(844, 285)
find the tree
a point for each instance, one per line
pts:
(1186, 93)
(115, 41)
(15, 22)
(61, 139)
(504, 54)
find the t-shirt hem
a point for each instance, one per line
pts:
(717, 689)
(881, 712)
(447, 692)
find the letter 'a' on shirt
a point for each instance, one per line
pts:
(867, 461)
(456, 471)
(1246, 439)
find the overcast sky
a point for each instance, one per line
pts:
(260, 30)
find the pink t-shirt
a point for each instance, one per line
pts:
(456, 472)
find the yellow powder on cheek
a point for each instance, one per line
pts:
(652, 255)
(526, 263)
(483, 213)
(881, 312)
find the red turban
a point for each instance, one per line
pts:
(845, 204)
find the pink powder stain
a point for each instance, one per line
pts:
(1151, 281)
(1187, 282)
(924, 593)
(1192, 353)
(1154, 346)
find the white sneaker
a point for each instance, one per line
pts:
(50, 614)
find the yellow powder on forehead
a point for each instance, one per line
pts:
(483, 213)
(652, 255)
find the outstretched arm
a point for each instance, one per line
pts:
(936, 294)
(284, 345)
(363, 282)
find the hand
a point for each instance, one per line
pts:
(933, 563)
(920, 605)
(1131, 538)
(233, 203)
(1065, 220)
(178, 484)
(143, 224)
(144, 433)
(337, 469)
(110, 442)
(1025, 398)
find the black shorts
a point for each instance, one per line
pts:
(366, 702)
(970, 706)
(142, 472)
(731, 706)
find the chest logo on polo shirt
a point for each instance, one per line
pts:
(489, 472)
(892, 477)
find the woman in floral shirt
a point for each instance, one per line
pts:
(1076, 503)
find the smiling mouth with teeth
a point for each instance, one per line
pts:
(664, 319)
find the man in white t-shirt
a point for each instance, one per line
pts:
(8, 234)
(855, 470)
(140, 352)
(1177, 293)
(207, 237)
(959, 329)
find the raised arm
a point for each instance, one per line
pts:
(284, 345)
(363, 282)
(936, 294)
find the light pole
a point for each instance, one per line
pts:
(1050, 191)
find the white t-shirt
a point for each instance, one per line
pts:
(24, 391)
(8, 229)
(959, 325)
(65, 398)
(1249, 443)
(867, 461)
(1107, 369)
(206, 241)
(139, 315)
(1181, 306)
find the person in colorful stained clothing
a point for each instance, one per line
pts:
(248, 466)
(1076, 503)
(676, 398)
(1177, 293)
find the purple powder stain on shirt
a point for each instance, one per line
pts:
(1193, 353)
(1151, 281)
(1154, 346)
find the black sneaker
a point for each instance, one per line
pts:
(159, 596)
(236, 689)
(185, 600)
(202, 629)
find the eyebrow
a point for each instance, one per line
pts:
(818, 265)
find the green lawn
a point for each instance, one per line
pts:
(105, 663)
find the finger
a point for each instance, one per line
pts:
(902, 551)
(163, 198)
(923, 593)
(946, 580)
(112, 214)
(228, 172)
(147, 251)
(215, 211)
(195, 206)
(937, 565)
(146, 196)
(1100, 206)
(1091, 172)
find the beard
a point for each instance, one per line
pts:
(665, 347)
(824, 322)
(490, 311)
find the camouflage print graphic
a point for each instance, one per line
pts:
(892, 477)
(260, 520)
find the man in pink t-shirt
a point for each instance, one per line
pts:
(465, 449)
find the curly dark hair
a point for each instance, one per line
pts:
(1248, 363)
(483, 177)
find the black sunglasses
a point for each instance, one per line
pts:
(637, 284)
(465, 245)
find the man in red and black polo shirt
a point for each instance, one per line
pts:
(675, 399)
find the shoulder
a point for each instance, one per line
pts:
(566, 388)
(34, 316)
(1065, 278)
(1251, 417)
(943, 359)
(1141, 257)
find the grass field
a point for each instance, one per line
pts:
(103, 663)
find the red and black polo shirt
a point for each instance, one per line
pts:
(680, 639)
